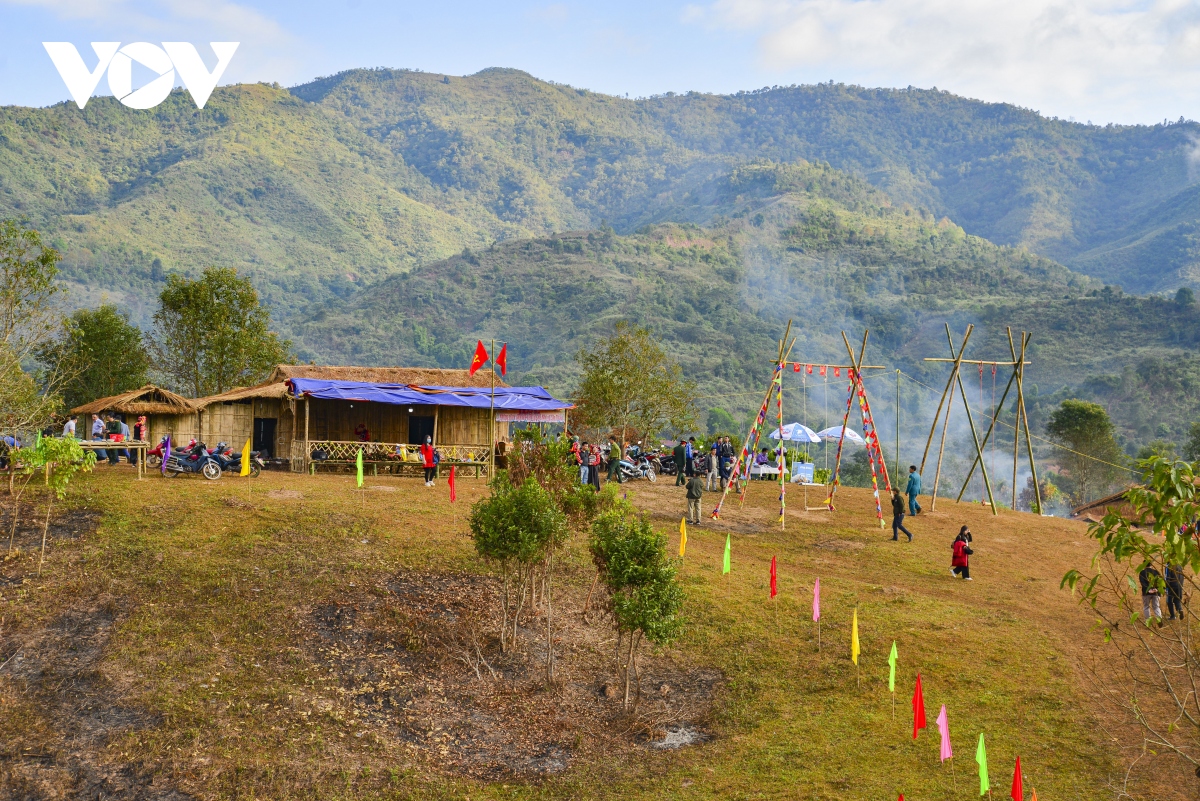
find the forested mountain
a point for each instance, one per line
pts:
(391, 216)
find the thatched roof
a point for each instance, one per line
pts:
(421, 376)
(146, 400)
(269, 389)
(1092, 512)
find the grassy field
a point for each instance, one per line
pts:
(186, 639)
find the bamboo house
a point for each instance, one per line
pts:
(165, 412)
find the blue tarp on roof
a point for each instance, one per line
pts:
(507, 398)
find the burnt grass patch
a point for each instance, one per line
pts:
(55, 674)
(419, 663)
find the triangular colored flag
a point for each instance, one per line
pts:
(943, 724)
(725, 564)
(37, 441)
(809, 372)
(245, 471)
(1034, 798)
(682, 536)
(774, 585)
(450, 483)
(817, 600)
(502, 359)
(981, 758)
(166, 455)
(918, 705)
(1018, 787)
(892, 657)
(823, 369)
(480, 358)
(837, 371)
(358, 466)
(854, 637)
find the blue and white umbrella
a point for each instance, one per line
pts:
(834, 433)
(796, 432)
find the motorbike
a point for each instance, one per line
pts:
(196, 459)
(642, 468)
(231, 460)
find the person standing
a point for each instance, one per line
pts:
(98, 436)
(961, 550)
(427, 462)
(112, 427)
(913, 490)
(714, 465)
(594, 466)
(1174, 580)
(126, 435)
(898, 516)
(724, 455)
(695, 492)
(691, 456)
(614, 459)
(69, 427)
(1150, 578)
(680, 463)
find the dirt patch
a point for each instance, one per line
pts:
(839, 545)
(65, 524)
(58, 671)
(422, 664)
(237, 503)
(285, 494)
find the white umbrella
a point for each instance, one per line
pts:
(834, 433)
(796, 432)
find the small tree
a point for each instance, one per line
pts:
(1160, 665)
(1092, 456)
(212, 334)
(102, 351)
(1191, 448)
(60, 458)
(644, 596)
(514, 528)
(629, 381)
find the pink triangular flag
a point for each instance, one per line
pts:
(817, 601)
(943, 724)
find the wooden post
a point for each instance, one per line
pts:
(978, 449)
(292, 404)
(957, 357)
(304, 463)
(1037, 488)
(995, 414)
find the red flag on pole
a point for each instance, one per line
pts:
(837, 371)
(808, 369)
(480, 359)
(918, 704)
(796, 367)
(453, 492)
(1018, 788)
(823, 369)
(502, 359)
(774, 589)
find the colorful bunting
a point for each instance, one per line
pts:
(750, 443)
(918, 704)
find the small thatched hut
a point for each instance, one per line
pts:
(166, 412)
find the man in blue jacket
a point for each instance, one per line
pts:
(913, 490)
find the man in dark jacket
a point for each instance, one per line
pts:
(898, 516)
(680, 453)
(1174, 579)
(695, 491)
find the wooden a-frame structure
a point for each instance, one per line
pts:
(1017, 363)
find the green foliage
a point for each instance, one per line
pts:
(28, 289)
(212, 334)
(1094, 456)
(101, 352)
(629, 381)
(719, 421)
(548, 462)
(1191, 449)
(63, 458)
(516, 523)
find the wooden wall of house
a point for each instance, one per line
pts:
(335, 420)
(181, 427)
(233, 422)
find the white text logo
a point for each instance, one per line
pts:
(165, 61)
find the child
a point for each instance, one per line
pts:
(961, 550)
(695, 491)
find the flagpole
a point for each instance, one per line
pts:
(492, 433)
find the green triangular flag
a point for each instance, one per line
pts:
(892, 665)
(358, 466)
(37, 441)
(981, 758)
(725, 566)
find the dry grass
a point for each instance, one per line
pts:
(202, 643)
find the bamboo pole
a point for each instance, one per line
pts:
(979, 450)
(1011, 381)
(897, 452)
(1026, 337)
(946, 426)
(306, 455)
(1016, 424)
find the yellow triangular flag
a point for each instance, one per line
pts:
(245, 459)
(682, 536)
(854, 637)
(1034, 795)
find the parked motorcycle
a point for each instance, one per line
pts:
(196, 459)
(642, 468)
(231, 460)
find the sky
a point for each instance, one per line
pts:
(1090, 60)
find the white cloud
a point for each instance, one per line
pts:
(1098, 59)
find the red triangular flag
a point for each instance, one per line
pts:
(823, 368)
(796, 367)
(809, 366)
(502, 359)
(481, 357)
(1018, 788)
(453, 492)
(918, 708)
(774, 588)
(837, 371)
